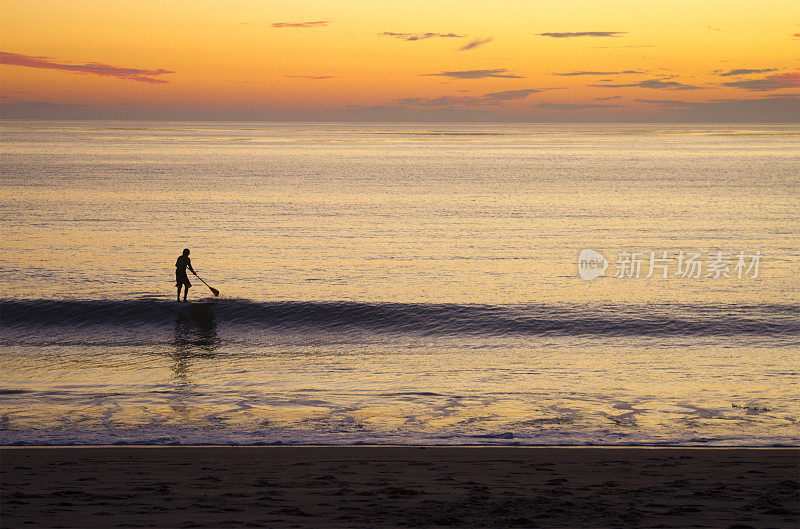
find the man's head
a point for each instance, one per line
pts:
(186, 251)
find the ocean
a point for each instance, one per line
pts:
(413, 284)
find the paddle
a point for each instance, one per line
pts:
(213, 290)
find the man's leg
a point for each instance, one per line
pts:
(179, 292)
(185, 292)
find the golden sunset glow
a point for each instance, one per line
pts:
(414, 60)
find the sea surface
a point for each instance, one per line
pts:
(432, 284)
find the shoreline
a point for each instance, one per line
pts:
(466, 446)
(399, 486)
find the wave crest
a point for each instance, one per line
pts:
(422, 318)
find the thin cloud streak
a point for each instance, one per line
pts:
(658, 84)
(314, 77)
(624, 72)
(38, 105)
(668, 85)
(410, 37)
(769, 108)
(313, 24)
(770, 82)
(744, 71)
(572, 106)
(92, 68)
(475, 43)
(443, 101)
(665, 102)
(474, 74)
(508, 95)
(568, 35)
(491, 98)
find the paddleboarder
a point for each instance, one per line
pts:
(181, 279)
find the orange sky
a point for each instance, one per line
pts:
(645, 60)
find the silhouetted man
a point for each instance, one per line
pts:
(181, 279)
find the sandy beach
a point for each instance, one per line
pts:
(399, 487)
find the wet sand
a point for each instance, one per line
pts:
(339, 487)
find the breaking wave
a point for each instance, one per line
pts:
(779, 320)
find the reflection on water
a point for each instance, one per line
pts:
(195, 338)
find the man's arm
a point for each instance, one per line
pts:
(189, 264)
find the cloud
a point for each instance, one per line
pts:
(659, 84)
(314, 24)
(508, 95)
(583, 34)
(665, 102)
(624, 72)
(420, 36)
(36, 106)
(443, 101)
(778, 108)
(369, 107)
(315, 77)
(92, 68)
(572, 106)
(769, 108)
(486, 99)
(607, 98)
(475, 74)
(772, 108)
(743, 71)
(668, 85)
(399, 113)
(491, 98)
(796, 36)
(475, 43)
(770, 82)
